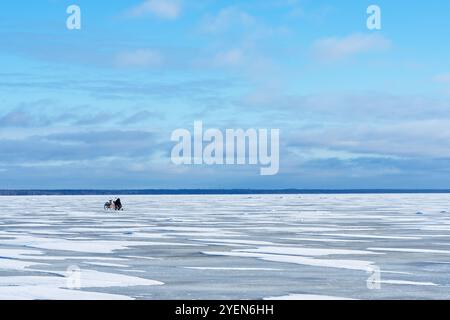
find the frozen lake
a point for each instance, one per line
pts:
(226, 247)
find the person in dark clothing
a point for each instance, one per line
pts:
(118, 204)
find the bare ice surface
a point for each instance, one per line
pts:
(227, 247)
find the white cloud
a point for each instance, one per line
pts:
(443, 78)
(226, 19)
(417, 138)
(230, 58)
(332, 49)
(143, 58)
(164, 9)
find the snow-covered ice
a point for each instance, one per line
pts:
(306, 297)
(227, 247)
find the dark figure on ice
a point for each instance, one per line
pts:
(108, 205)
(118, 204)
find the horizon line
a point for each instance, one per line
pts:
(237, 191)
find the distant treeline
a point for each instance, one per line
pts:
(211, 192)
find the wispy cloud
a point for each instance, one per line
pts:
(141, 116)
(22, 116)
(229, 58)
(164, 9)
(335, 48)
(443, 78)
(85, 145)
(140, 58)
(226, 19)
(15, 118)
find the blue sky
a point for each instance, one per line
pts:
(95, 108)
